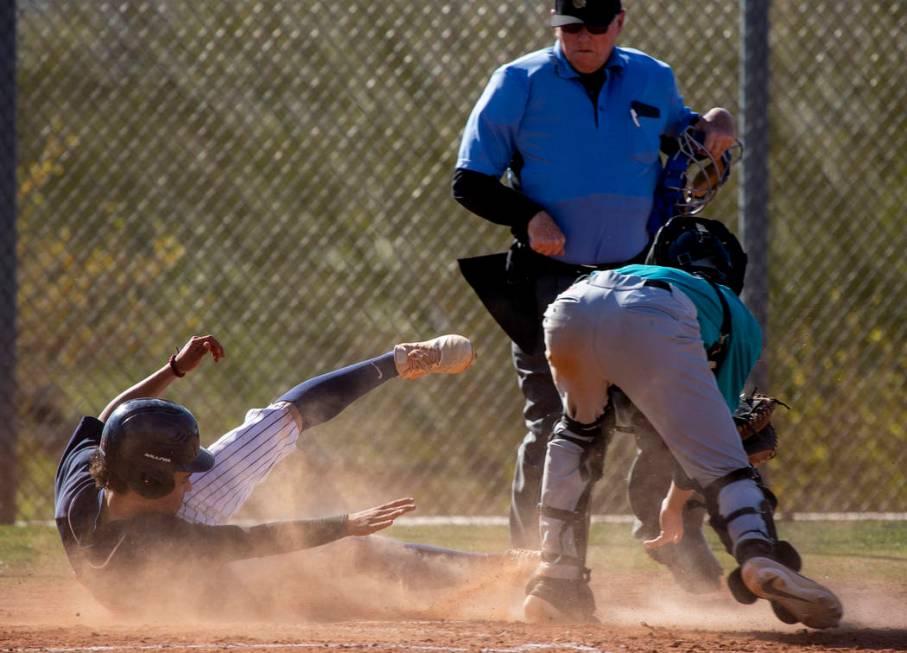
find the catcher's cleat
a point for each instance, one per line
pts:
(559, 600)
(792, 596)
(450, 354)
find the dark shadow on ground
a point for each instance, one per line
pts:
(845, 637)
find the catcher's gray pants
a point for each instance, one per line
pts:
(541, 411)
(614, 328)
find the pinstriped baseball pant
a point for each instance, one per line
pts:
(245, 456)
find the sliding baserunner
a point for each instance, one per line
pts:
(142, 508)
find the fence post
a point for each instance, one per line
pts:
(753, 200)
(8, 472)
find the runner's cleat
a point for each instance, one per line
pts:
(450, 354)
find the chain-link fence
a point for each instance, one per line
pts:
(277, 173)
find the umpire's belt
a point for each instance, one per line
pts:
(506, 284)
(540, 263)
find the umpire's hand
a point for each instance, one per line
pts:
(545, 237)
(371, 520)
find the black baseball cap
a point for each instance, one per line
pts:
(588, 12)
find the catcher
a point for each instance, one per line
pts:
(142, 509)
(675, 337)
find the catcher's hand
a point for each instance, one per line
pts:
(753, 418)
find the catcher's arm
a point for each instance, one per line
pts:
(671, 517)
(753, 418)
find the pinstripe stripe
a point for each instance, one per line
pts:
(217, 510)
(244, 435)
(231, 495)
(253, 473)
(229, 476)
(240, 493)
(260, 437)
(247, 438)
(238, 440)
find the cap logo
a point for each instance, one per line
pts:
(579, 4)
(160, 459)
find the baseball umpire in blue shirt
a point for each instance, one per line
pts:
(577, 129)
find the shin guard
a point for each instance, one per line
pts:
(741, 511)
(574, 463)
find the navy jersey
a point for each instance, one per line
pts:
(119, 561)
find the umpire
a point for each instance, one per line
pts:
(577, 129)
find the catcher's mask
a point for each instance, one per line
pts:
(146, 441)
(697, 174)
(700, 246)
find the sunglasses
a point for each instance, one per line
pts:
(576, 28)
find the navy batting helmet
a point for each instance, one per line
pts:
(145, 441)
(700, 246)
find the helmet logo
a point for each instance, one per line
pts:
(161, 459)
(579, 4)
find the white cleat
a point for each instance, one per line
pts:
(450, 354)
(812, 604)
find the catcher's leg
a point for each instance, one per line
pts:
(573, 464)
(541, 411)
(741, 510)
(684, 404)
(690, 561)
(649, 480)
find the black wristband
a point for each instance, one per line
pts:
(173, 368)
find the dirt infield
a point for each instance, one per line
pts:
(39, 613)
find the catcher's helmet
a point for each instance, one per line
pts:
(700, 246)
(145, 441)
(698, 175)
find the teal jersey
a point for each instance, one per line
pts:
(745, 343)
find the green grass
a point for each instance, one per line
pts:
(29, 550)
(870, 550)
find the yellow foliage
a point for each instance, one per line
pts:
(60, 276)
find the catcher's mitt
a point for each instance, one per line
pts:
(753, 418)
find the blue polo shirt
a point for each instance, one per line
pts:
(593, 168)
(745, 343)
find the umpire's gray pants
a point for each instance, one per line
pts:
(614, 329)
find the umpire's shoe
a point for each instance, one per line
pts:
(559, 600)
(691, 562)
(450, 354)
(803, 599)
